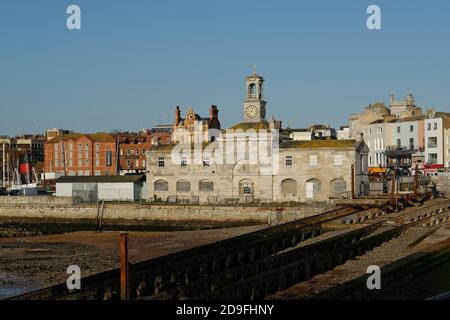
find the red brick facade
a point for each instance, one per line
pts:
(95, 154)
(81, 154)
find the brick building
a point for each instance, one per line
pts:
(132, 148)
(78, 154)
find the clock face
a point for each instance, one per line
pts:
(251, 111)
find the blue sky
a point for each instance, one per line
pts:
(134, 61)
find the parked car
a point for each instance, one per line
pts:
(15, 193)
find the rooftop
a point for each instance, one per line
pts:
(102, 179)
(251, 125)
(331, 144)
(92, 136)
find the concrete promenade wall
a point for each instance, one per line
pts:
(61, 208)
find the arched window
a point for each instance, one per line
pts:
(252, 89)
(289, 186)
(206, 185)
(161, 185)
(338, 186)
(183, 186)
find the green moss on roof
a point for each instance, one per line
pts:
(319, 144)
(251, 125)
(169, 147)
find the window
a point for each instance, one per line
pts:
(87, 162)
(338, 160)
(80, 162)
(411, 143)
(429, 127)
(338, 186)
(399, 143)
(70, 162)
(128, 163)
(289, 161)
(435, 126)
(56, 163)
(143, 163)
(289, 186)
(97, 162)
(206, 186)
(312, 161)
(411, 128)
(137, 162)
(161, 162)
(206, 162)
(109, 159)
(97, 172)
(247, 190)
(432, 158)
(183, 186)
(183, 162)
(432, 142)
(143, 152)
(161, 185)
(398, 129)
(97, 146)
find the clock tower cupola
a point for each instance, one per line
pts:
(254, 105)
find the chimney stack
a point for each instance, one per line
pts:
(177, 115)
(213, 112)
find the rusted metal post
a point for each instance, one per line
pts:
(353, 181)
(416, 180)
(124, 290)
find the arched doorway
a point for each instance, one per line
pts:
(313, 187)
(288, 188)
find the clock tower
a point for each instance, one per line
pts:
(254, 105)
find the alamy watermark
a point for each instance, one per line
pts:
(74, 280)
(374, 20)
(250, 147)
(374, 280)
(73, 21)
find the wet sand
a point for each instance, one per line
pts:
(33, 262)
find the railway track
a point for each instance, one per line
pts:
(253, 265)
(152, 276)
(257, 279)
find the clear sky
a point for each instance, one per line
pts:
(133, 61)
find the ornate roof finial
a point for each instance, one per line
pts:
(254, 69)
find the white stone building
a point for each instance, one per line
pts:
(225, 170)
